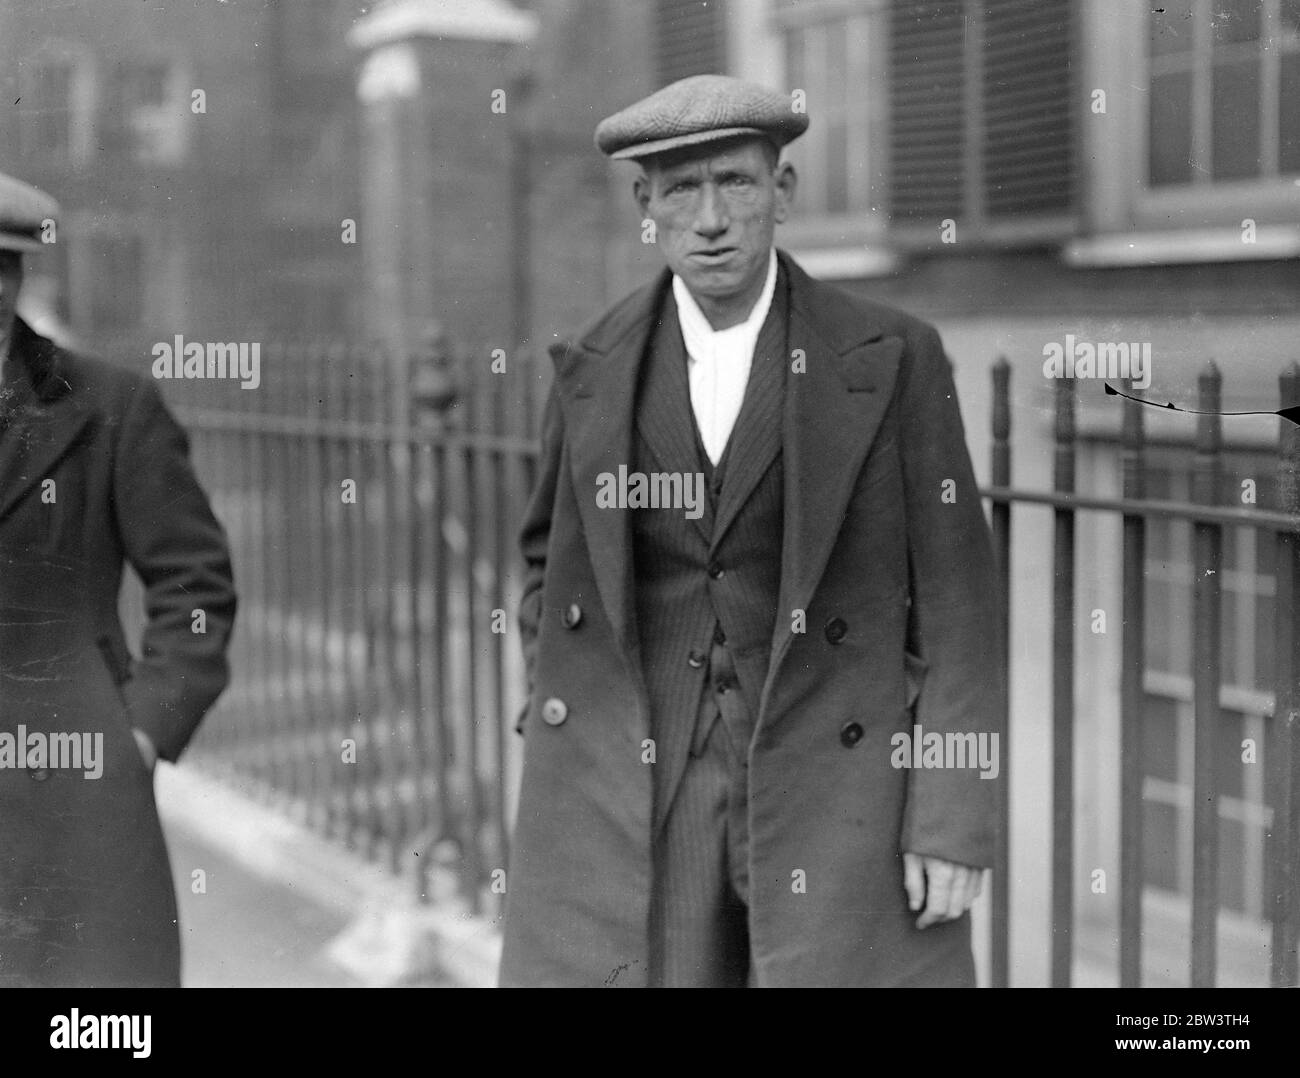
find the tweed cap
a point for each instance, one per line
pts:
(23, 209)
(699, 109)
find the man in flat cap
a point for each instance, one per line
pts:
(729, 652)
(94, 475)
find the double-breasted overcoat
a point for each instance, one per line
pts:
(885, 619)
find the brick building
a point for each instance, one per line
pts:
(204, 155)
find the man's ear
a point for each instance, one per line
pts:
(786, 182)
(641, 192)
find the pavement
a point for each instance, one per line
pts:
(264, 901)
(243, 931)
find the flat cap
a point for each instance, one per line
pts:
(699, 109)
(23, 211)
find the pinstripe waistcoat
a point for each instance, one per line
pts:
(722, 570)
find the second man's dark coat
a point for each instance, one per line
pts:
(95, 475)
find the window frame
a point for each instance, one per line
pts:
(813, 231)
(1118, 191)
(83, 91)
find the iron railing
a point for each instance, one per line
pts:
(1208, 521)
(376, 676)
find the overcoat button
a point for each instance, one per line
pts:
(554, 711)
(836, 630)
(850, 734)
(716, 572)
(572, 615)
(40, 774)
(695, 659)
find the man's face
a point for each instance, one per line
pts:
(11, 279)
(715, 210)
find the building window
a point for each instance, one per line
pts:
(1248, 611)
(147, 112)
(831, 54)
(933, 118)
(1225, 91)
(982, 118)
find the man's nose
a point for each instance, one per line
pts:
(711, 217)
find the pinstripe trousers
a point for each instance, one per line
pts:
(699, 935)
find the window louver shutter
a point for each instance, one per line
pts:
(981, 126)
(1028, 127)
(689, 39)
(927, 107)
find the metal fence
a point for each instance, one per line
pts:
(1208, 519)
(376, 671)
(375, 664)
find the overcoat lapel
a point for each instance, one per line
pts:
(39, 420)
(832, 412)
(597, 378)
(756, 437)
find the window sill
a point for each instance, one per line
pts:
(845, 263)
(1272, 242)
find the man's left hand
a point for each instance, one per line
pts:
(944, 888)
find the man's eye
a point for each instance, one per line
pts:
(738, 181)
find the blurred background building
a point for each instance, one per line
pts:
(1012, 170)
(184, 211)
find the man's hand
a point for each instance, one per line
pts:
(944, 888)
(147, 750)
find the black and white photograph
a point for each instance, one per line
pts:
(650, 494)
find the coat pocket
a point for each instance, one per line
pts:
(117, 661)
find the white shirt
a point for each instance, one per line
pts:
(718, 361)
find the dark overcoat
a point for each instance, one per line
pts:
(95, 474)
(884, 536)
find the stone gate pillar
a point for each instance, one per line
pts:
(435, 92)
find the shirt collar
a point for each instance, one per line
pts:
(695, 326)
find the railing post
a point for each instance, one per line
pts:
(1000, 511)
(1131, 703)
(1206, 625)
(1063, 694)
(1284, 762)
